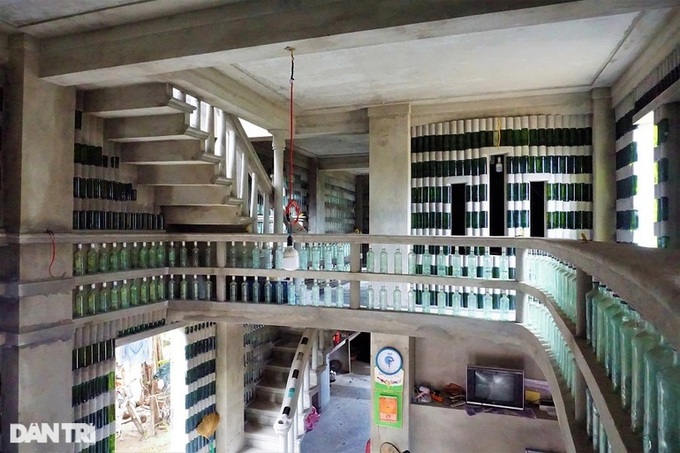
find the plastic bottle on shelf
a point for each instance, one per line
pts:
(256, 291)
(160, 288)
(504, 266)
(208, 255)
(384, 261)
(396, 299)
(411, 258)
(79, 261)
(245, 296)
(153, 297)
(339, 295)
(144, 292)
(656, 359)
(115, 297)
(267, 291)
(370, 297)
(161, 255)
(441, 262)
(183, 255)
(427, 261)
(124, 257)
(370, 260)
(125, 295)
(668, 389)
(92, 300)
(398, 264)
(143, 260)
(441, 300)
(382, 298)
(152, 255)
(184, 288)
(80, 303)
(195, 255)
(104, 298)
(92, 260)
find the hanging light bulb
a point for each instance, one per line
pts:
(291, 257)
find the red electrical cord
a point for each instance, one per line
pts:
(292, 204)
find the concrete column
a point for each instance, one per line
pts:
(229, 387)
(669, 147)
(604, 166)
(390, 214)
(278, 146)
(38, 159)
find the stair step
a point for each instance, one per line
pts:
(261, 437)
(176, 175)
(165, 152)
(263, 411)
(151, 128)
(134, 100)
(195, 196)
(205, 215)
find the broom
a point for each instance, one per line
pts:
(208, 426)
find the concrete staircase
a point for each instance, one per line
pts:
(263, 410)
(155, 132)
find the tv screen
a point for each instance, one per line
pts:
(495, 387)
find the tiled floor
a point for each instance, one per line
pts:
(344, 424)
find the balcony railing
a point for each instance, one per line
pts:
(600, 319)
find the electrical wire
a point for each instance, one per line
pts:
(292, 204)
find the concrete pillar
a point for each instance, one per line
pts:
(669, 148)
(390, 214)
(38, 159)
(229, 387)
(278, 146)
(604, 166)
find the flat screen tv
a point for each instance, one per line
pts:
(495, 387)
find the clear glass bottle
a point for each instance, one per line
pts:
(245, 256)
(114, 258)
(302, 297)
(115, 297)
(92, 260)
(471, 263)
(134, 256)
(79, 261)
(316, 257)
(370, 260)
(278, 256)
(183, 255)
(125, 295)
(629, 329)
(279, 293)
(487, 304)
(208, 255)
(411, 299)
(256, 291)
(256, 257)
(144, 292)
(601, 304)
(172, 288)
(669, 407)
(104, 298)
(195, 255)
(153, 297)
(161, 255)
(328, 257)
(245, 296)
(427, 262)
(504, 307)
(504, 266)
(398, 264)
(456, 302)
(315, 293)
(124, 257)
(92, 300)
(184, 288)
(656, 359)
(267, 291)
(233, 290)
(290, 292)
(441, 300)
(340, 259)
(327, 294)
(641, 344)
(487, 264)
(370, 297)
(396, 299)
(304, 257)
(426, 297)
(172, 255)
(411, 258)
(384, 261)
(143, 259)
(339, 295)
(615, 338)
(590, 295)
(609, 313)
(233, 254)
(79, 303)
(195, 288)
(441, 262)
(456, 261)
(382, 298)
(153, 255)
(160, 288)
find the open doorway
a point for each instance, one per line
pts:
(143, 396)
(497, 196)
(458, 209)
(537, 209)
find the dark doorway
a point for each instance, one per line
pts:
(537, 209)
(497, 195)
(458, 209)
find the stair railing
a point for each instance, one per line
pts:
(289, 425)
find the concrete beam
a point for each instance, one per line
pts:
(345, 163)
(331, 123)
(248, 31)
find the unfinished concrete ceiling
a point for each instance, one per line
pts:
(350, 55)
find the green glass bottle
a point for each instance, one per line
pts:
(143, 260)
(669, 409)
(125, 295)
(160, 255)
(195, 288)
(114, 258)
(656, 359)
(104, 297)
(171, 288)
(207, 255)
(92, 260)
(601, 304)
(124, 257)
(79, 261)
(209, 288)
(610, 312)
(642, 343)
(134, 256)
(115, 297)
(103, 259)
(144, 292)
(152, 255)
(183, 255)
(79, 303)
(134, 293)
(184, 288)
(615, 324)
(92, 300)
(160, 288)
(195, 255)
(152, 291)
(172, 255)
(629, 329)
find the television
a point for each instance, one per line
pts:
(496, 387)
